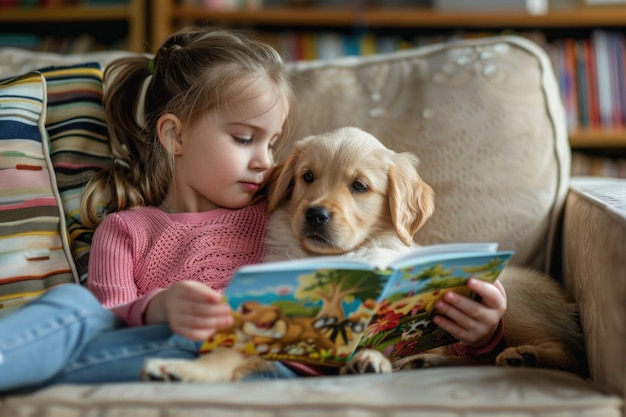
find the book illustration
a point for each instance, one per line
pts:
(313, 316)
(403, 325)
(322, 315)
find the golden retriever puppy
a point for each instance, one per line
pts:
(344, 193)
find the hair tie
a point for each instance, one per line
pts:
(121, 162)
(151, 66)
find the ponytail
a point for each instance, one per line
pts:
(138, 175)
(195, 71)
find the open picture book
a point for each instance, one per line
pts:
(321, 310)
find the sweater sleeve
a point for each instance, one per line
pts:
(132, 312)
(492, 349)
(111, 263)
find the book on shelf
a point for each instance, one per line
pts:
(591, 73)
(600, 41)
(477, 6)
(321, 310)
(583, 95)
(584, 164)
(225, 4)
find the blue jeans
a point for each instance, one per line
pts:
(67, 336)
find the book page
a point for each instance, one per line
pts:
(340, 262)
(345, 262)
(308, 315)
(403, 325)
(424, 252)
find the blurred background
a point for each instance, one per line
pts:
(584, 39)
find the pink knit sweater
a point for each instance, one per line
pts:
(136, 253)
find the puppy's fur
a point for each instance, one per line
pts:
(344, 193)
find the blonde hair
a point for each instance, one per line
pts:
(196, 70)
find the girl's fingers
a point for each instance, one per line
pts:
(463, 310)
(199, 292)
(208, 326)
(492, 295)
(204, 309)
(468, 320)
(450, 326)
(197, 328)
(195, 311)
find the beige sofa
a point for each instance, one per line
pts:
(486, 120)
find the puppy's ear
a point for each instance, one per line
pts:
(280, 183)
(411, 200)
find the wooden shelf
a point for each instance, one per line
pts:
(596, 138)
(407, 17)
(133, 12)
(167, 16)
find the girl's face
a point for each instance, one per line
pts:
(226, 156)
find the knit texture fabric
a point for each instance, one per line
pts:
(137, 251)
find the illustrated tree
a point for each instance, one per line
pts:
(334, 286)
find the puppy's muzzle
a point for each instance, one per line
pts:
(317, 216)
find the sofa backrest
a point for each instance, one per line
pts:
(483, 115)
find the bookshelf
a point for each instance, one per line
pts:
(78, 18)
(168, 15)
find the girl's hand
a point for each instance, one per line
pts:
(192, 310)
(473, 323)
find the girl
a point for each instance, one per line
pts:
(183, 213)
(190, 160)
(182, 190)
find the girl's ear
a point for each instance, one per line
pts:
(169, 130)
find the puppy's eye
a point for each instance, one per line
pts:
(308, 177)
(359, 187)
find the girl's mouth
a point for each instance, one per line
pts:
(250, 186)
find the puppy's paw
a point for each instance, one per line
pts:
(368, 361)
(431, 360)
(160, 370)
(425, 360)
(516, 356)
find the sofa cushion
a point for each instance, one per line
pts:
(483, 115)
(78, 143)
(16, 61)
(442, 392)
(34, 251)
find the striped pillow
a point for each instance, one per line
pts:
(34, 254)
(78, 143)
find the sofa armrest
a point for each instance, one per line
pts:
(594, 271)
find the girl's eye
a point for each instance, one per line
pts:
(308, 177)
(359, 187)
(244, 140)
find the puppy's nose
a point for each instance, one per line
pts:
(316, 216)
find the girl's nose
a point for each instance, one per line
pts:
(262, 160)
